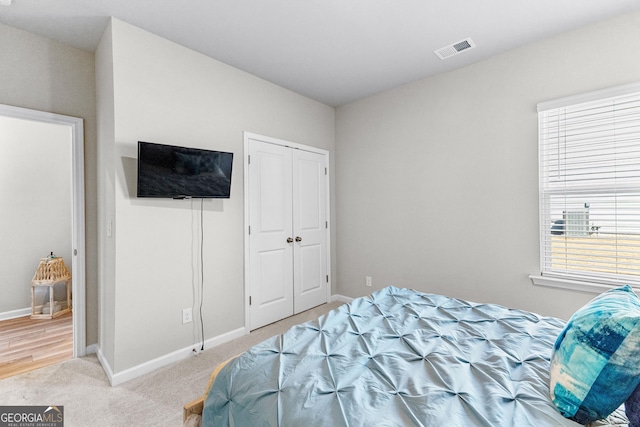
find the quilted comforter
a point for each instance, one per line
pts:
(396, 358)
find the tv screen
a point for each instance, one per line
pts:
(178, 172)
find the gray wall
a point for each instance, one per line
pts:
(41, 74)
(438, 180)
(154, 90)
(35, 193)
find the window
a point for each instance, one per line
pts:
(589, 149)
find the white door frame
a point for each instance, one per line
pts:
(78, 222)
(247, 137)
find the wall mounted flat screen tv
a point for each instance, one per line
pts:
(169, 171)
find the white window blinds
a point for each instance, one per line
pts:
(590, 187)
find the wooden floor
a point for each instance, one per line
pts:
(27, 344)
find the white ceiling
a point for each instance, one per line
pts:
(334, 51)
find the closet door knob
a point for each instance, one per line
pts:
(289, 240)
(298, 239)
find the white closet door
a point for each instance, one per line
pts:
(309, 229)
(270, 216)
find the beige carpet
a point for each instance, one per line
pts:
(155, 399)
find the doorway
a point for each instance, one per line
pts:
(287, 239)
(72, 130)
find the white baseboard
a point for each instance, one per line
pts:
(13, 314)
(341, 298)
(105, 365)
(159, 362)
(92, 349)
(144, 368)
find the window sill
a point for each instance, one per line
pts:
(574, 285)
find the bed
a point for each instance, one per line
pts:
(396, 358)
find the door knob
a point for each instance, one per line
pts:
(298, 239)
(289, 240)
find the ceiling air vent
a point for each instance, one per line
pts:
(455, 48)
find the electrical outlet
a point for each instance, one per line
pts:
(367, 281)
(187, 315)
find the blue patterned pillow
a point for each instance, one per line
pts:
(596, 359)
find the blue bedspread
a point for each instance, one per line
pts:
(397, 358)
